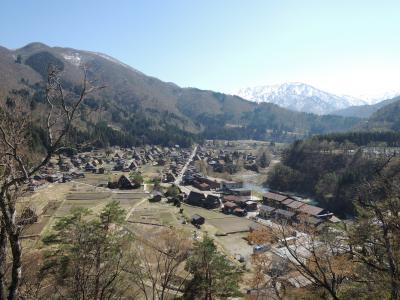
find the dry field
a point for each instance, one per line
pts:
(55, 201)
(155, 214)
(225, 224)
(231, 224)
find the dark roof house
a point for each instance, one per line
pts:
(211, 202)
(126, 184)
(266, 211)
(195, 198)
(229, 207)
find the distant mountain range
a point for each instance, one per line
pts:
(364, 111)
(379, 97)
(135, 108)
(299, 97)
(305, 98)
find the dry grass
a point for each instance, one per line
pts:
(88, 196)
(231, 224)
(36, 228)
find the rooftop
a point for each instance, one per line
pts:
(287, 201)
(295, 204)
(267, 208)
(230, 205)
(274, 196)
(285, 213)
(310, 209)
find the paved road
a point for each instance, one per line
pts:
(179, 178)
(188, 189)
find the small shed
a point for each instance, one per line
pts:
(197, 219)
(156, 196)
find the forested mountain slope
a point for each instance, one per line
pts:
(364, 111)
(135, 108)
(386, 118)
(331, 168)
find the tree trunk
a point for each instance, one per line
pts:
(3, 260)
(97, 272)
(393, 270)
(394, 280)
(16, 266)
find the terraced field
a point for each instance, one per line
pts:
(58, 200)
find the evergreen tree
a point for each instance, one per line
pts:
(87, 253)
(264, 161)
(213, 275)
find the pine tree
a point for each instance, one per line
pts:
(213, 275)
(87, 253)
(263, 160)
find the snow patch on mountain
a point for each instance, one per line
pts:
(378, 97)
(299, 97)
(112, 59)
(72, 57)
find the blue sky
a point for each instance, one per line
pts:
(347, 47)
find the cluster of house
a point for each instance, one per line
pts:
(171, 158)
(68, 167)
(206, 183)
(238, 202)
(221, 159)
(64, 171)
(232, 198)
(284, 208)
(176, 161)
(228, 195)
(131, 159)
(209, 201)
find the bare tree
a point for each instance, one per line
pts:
(159, 259)
(18, 164)
(264, 281)
(320, 256)
(3, 259)
(33, 278)
(375, 237)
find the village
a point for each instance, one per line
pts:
(164, 187)
(199, 150)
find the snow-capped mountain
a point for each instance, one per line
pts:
(378, 97)
(299, 97)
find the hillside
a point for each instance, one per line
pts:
(385, 118)
(331, 168)
(364, 111)
(135, 108)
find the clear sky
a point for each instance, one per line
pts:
(342, 46)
